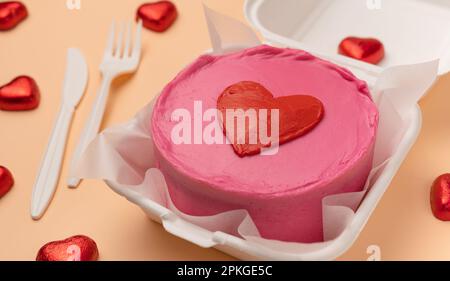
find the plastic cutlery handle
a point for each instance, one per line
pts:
(91, 129)
(48, 175)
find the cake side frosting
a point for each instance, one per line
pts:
(283, 192)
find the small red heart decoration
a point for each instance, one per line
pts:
(157, 16)
(440, 197)
(298, 114)
(369, 50)
(75, 248)
(11, 14)
(20, 94)
(6, 181)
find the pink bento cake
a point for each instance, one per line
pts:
(282, 192)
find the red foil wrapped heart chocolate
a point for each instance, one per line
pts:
(6, 181)
(75, 248)
(157, 16)
(298, 114)
(11, 14)
(440, 197)
(20, 94)
(369, 50)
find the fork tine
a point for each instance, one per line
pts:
(126, 52)
(137, 41)
(110, 42)
(119, 45)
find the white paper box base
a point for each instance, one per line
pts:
(123, 157)
(117, 157)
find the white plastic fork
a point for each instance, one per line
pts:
(118, 59)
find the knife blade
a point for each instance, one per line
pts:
(74, 86)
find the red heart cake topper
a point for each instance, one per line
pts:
(22, 93)
(440, 197)
(6, 181)
(157, 16)
(298, 114)
(11, 14)
(369, 50)
(75, 248)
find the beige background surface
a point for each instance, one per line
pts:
(402, 225)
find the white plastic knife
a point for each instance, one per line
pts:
(73, 89)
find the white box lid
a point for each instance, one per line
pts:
(412, 31)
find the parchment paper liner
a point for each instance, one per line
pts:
(123, 155)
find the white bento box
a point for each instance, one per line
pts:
(413, 31)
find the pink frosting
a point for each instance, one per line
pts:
(282, 192)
